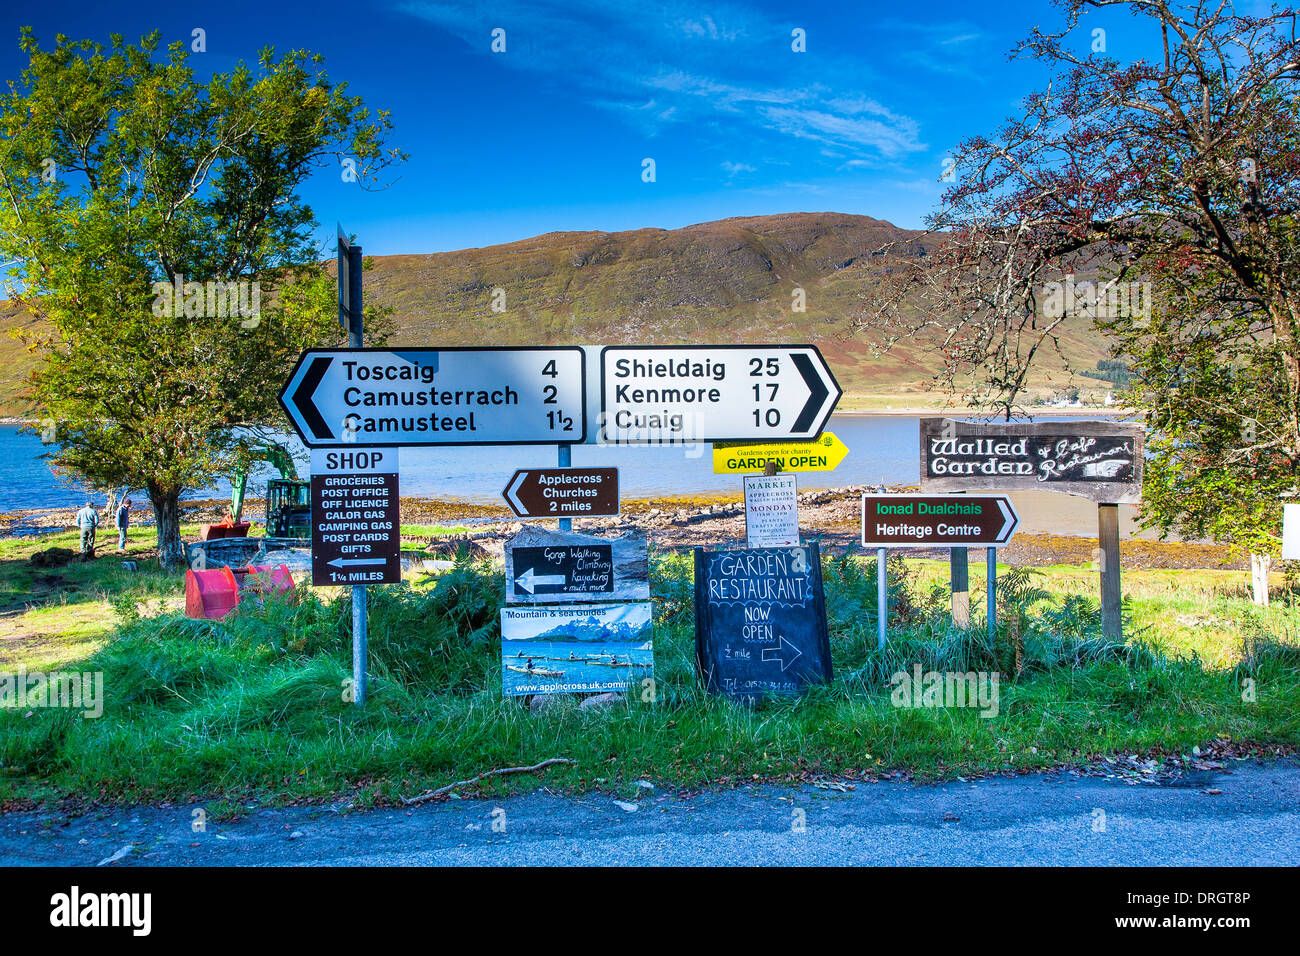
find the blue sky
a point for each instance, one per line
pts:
(551, 134)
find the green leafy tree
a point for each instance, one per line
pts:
(155, 221)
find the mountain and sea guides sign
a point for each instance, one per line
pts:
(355, 517)
(760, 621)
(547, 567)
(1099, 460)
(937, 521)
(417, 396)
(676, 394)
(579, 649)
(822, 454)
(563, 492)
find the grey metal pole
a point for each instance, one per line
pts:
(359, 644)
(991, 588)
(565, 460)
(356, 319)
(882, 598)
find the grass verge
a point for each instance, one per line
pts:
(252, 708)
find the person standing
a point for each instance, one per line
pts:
(87, 522)
(120, 521)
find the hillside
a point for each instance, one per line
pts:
(725, 281)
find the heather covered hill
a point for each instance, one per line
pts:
(732, 280)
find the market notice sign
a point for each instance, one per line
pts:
(548, 567)
(821, 454)
(1098, 460)
(355, 517)
(760, 622)
(422, 396)
(771, 511)
(937, 521)
(579, 649)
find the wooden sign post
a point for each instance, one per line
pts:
(1112, 623)
(1098, 460)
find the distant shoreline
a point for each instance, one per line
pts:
(1051, 412)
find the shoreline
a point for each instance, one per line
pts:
(832, 516)
(1054, 411)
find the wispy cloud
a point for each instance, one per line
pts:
(669, 64)
(953, 48)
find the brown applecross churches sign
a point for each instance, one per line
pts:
(1098, 460)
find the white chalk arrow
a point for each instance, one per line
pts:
(531, 579)
(354, 562)
(771, 653)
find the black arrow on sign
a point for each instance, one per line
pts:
(304, 400)
(815, 385)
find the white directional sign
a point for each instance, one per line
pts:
(417, 396)
(671, 394)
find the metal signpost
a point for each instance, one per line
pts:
(352, 318)
(937, 521)
(745, 393)
(1098, 460)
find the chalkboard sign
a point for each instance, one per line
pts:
(760, 622)
(1099, 460)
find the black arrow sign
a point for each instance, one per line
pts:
(304, 396)
(816, 387)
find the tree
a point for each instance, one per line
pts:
(156, 225)
(1170, 184)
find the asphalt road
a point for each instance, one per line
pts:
(1042, 819)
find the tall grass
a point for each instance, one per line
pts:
(255, 705)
